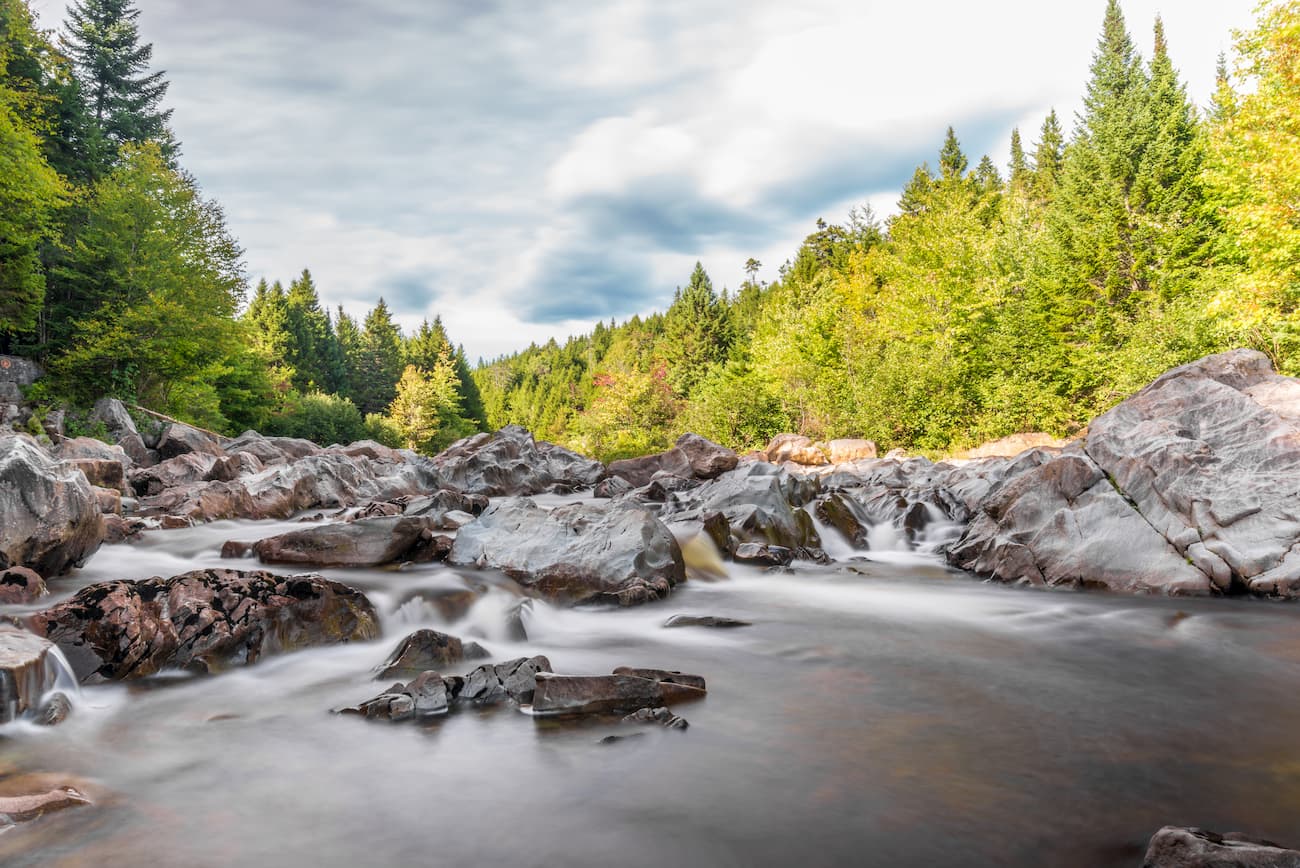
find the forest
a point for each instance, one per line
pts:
(1027, 293)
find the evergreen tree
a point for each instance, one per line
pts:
(952, 162)
(347, 335)
(379, 361)
(309, 336)
(268, 317)
(1021, 173)
(697, 332)
(1049, 153)
(916, 190)
(103, 41)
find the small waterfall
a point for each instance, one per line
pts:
(33, 674)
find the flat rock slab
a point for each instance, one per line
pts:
(28, 670)
(201, 621)
(366, 542)
(608, 694)
(1174, 847)
(713, 621)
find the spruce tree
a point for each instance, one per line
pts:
(1049, 153)
(103, 41)
(952, 162)
(310, 336)
(379, 363)
(697, 332)
(1020, 172)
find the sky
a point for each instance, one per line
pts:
(525, 169)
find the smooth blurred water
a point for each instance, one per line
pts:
(881, 711)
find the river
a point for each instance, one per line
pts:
(882, 710)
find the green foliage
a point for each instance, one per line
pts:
(321, 418)
(697, 332)
(629, 416)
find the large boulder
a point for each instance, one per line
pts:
(510, 462)
(708, 459)
(639, 471)
(16, 374)
(796, 449)
(20, 586)
(49, 515)
(1064, 524)
(364, 543)
(181, 439)
(627, 690)
(202, 621)
(1174, 847)
(583, 552)
(1209, 455)
(174, 472)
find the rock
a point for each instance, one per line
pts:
(1014, 444)
(614, 486)
(666, 676)
(180, 439)
(172, 473)
(794, 448)
(579, 553)
(448, 508)
(424, 696)
(595, 694)
(49, 515)
(262, 448)
(427, 649)
(1064, 524)
(371, 449)
(1174, 847)
(847, 516)
(1208, 454)
(514, 680)
(119, 529)
(52, 423)
(708, 460)
(763, 555)
(19, 372)
(109, 500)
(845, 450)
(758, 503)
(363, 543)
(28, 670)
(705, 621)
(54, 710)
(639, 471)
(105, 466)
(115, 418)
(201, 621)
(660, 715)
(510, 462)
(24, 807)
(20, 586)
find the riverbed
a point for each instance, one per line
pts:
(881, 710)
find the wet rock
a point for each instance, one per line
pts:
(424, 696)
(22, 807)
(180, 439)
(847, 516)
(639, 471)
(28, 670)
(427, 649)
(595, 694)
(1174, 847)
(367, 542)
(1064, 524)
(510, 462)
(54, 710)
(708, 460)
(492, 684)
(583, 552)
(20, 586)
(174, 522)
(667, 676)
(614, 486)
(49, 516)
(661, 716)
(763, 555)
(109, 500)
(119, 529)
(706, 621)
(202, 621)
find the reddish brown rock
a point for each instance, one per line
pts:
(202, 621)
(19, 586)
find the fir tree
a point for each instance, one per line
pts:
(1049, 153)
(952, 162)
(103, 41)
(310, 336)
(1020, 172)
(697, 332)
(379, 362)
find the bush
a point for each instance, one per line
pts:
(320, 418)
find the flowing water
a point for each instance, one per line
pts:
(880, 711)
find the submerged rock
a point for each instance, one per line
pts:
(201, 621)
(424, 696)
(28, 670)
(621, 693)
(49, 515)
(705, 621)
(1174, 847)
(580, 553)
(661, 716)
(22, 807)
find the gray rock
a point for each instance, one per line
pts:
(424, 650)
(180, 439)
(661, 716)
(493, 684)
(510, 462)
(595, 694)
(708, 460)
(583, 552)
(1174, 847)
(705, 621)
(364, 543)
(49, 515)
(28, 670)
(424, 696)
(640, 471)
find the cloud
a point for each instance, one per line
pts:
(524, 169)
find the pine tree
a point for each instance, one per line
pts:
(379, 362)
(952, 162)
(347, 335)
(1049, 153)
(310, 336)
(697, 332)
(103, 41)
(268, 317)
(1021, 173)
